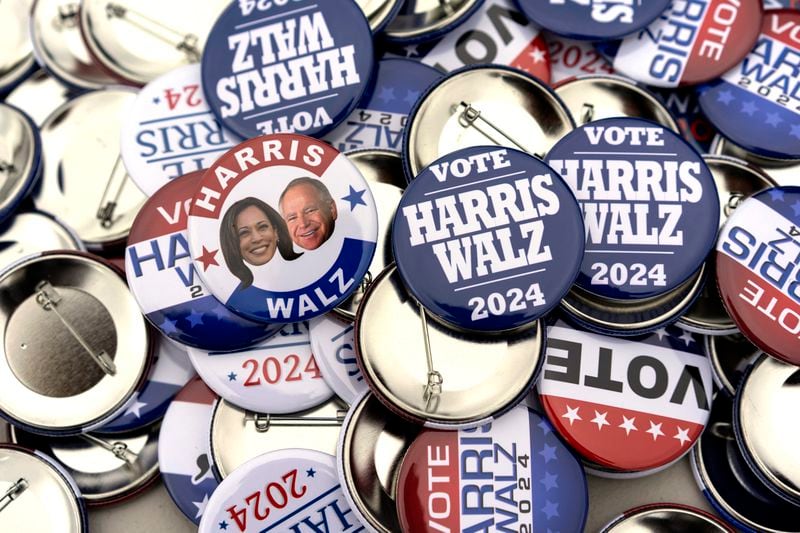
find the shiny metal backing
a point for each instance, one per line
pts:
(591, 98)
(482, 106)
(783, 171)
(20, 154)
(16, 53)
(378, 11)
(30, 233)
(5, 431)
(371, 449)
(730, 355)
(765, 419)
(424, 17)
(39, 95)
(238, 435)
(479, 376)
(666, 518)
(44, 502)
(632, 317)
(50, 382)
(106, 469)
(140, 40)
(84, 180)
(383, 170)
(59, 46)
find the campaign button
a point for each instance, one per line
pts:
(379, 13)
(593, 20)
(282, 228)
(32, 232)
(287, 67)
(168, 374)
(278, 376)
(570, 58)
(164, 280)
(380, 117)
(20, 158)
(758, 269)
(184, 449)
(39, 95)
(425, 21)
(626, 404)
(488, 239)
(333, 343)
(730, 355)
(292, 489)
(684, 105)
(649, 204)
(665, 516)
(783, 171)
(449, 482)
(16, 56)
(169, 131)
(756, 104)
(777, 4)
(690, 43)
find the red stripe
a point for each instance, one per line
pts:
(524, 61)
(196, 391)
(783, 26)
(165, 211)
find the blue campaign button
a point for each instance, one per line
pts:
(488, 238)
(592, 19)
(649, 203)
(284, 67)
(381, 116)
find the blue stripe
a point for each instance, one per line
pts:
(173, 117)
(190, 154)
(306, 506)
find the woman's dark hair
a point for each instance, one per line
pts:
(229, 237)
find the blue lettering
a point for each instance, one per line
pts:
(137, 260)
(321, 526)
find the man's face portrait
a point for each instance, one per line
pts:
(308, 215)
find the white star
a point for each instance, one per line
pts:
(135, 407)
(687, 338)
(537, 54)
(661, 332)
(201, 506)
(600, 420)
(627, 424)
(682, 435)
(572, 415)
(411, 50)
(655, 430)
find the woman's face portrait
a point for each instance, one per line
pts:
(257, 236)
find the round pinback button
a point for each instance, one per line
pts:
(570, 58)
(16, 57)
(479, 106)
(283, 228)
(783, 171)
(730, 355)
(592, 21)
(39, 494)
(165, 282)
(20, 158)
(298, 488)
(59, 46)
(756, 270)
(76, 348)
(684, 105)
(665, 517)
(379, 13)
(286, 67)
(380, 117)
(628, 405)
(184, 449)
(649, 203)
(39, 95)
(333, 343)
(277, 376)
(756, 104)
(139, 41)
(238, 435)
(424, 21)
(84, 181)
(106, 469)
(488, 239)
(432, 374)
(169, 131)
(32, 232)
(534, 480)
(170, 371)
(762, 407)
(688, 44)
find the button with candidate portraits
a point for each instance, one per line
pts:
(20, 158)
(380, 117)
(169, 131)
(480, 106)
(570, 58)
(286, 67)
(592, 21)
(428, 19)
(756, 104)
(36, 492)
(649, 203)
(16, 55)
(184, 449)
(690, 43)
(333, 343)
(783, 171)
(165, 282)
(282, 228)
(297, 487)
(277, 376)
(139, 41)
(627, 405)
(663, 517)
(379, 13)
(534, 482)
(170, 371)
(488, 239)
(757, 270)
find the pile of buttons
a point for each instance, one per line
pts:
(399, 265)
